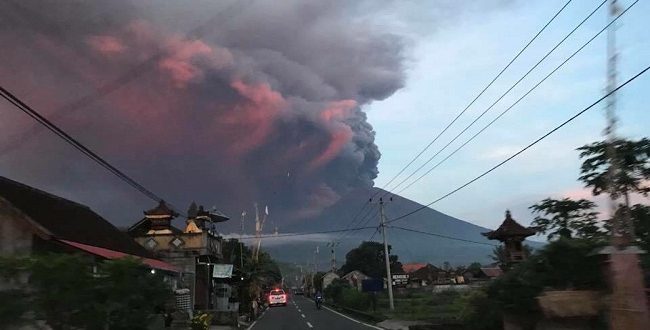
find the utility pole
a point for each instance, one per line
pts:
(389, 278)
(241, 243)
(628, 309)
(332, 245)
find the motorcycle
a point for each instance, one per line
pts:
(319, 301)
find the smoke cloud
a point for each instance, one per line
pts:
(265, 104)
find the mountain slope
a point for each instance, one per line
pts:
(410, 246)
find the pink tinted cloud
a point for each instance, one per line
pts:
(339, 138)
(337, 110)
(106, 45)
(248, 123)
(179, 63)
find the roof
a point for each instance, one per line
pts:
(510, 228)
(357, 274)
(66, 219)
(409, 268)
(161, 209)
(427, 270)
(143, 226)
(492, 271)
(111, 254)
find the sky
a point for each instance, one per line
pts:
(451, 65)
(296, 104)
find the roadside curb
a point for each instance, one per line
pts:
(260, 317)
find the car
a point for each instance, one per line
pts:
(277, 297)
(298, 292)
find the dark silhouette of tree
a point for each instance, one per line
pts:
(633, 159)
(567, 218)
(368, 258)
(193, 210)
(499, 255)
(631, 176)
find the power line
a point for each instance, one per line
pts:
(502, 95)
(354, 218)
(76, 144)
(373, 234)
(479, 95)
(512, 105)
(524, 149)
(115, 84)
(310, 233)
(441, 236)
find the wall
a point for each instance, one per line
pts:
(16, 235)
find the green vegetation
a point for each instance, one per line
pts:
(64, 291)
(567, 218)
(369, 259)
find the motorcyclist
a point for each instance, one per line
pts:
(318, 297)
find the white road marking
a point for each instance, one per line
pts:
(351, 319)
(303, 315)
(254, 322)
(309, 325)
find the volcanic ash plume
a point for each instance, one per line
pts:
(260, 101)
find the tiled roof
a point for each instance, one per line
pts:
(409, 268)
(510, 228)
(66, 219)
(492, 272)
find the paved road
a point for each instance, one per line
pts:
(301, 314)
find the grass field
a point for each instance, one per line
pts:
(421, 305)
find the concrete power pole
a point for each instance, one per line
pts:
(241, 243)
(628, 309)
(389, 278)
(332, 245)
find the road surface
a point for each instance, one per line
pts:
(301, 314)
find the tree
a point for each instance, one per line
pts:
(499, 255)
(567, 218)
(631, 176)
(633, 159)
(474, 268)
(368, 258)
(64, 291)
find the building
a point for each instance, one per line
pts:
(196, 249)
(328, 278)
(34, 221)
(355, 278)
(429, 275)
(512, 235)
(411, 267)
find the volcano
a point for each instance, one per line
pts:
(467, 245)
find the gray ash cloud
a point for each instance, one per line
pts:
(266, 105)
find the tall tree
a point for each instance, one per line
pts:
(567, 218)
(368, 258)
(632, 175)
(633, 160)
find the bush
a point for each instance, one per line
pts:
(201, 321)
(65, 292)
(334, 291)
(354, 299)
(478, 311)
(563, 264)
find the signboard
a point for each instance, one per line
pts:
(222, 271)
(400, 280)
(372, 285)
